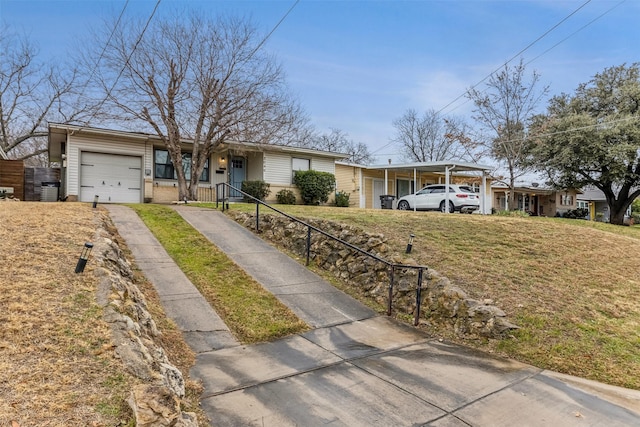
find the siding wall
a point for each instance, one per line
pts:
(348, 180)
(323, 165)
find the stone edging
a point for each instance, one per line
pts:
(156, 402)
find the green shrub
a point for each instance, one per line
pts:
(636, 218)
(286, 197)
(342, 199)
(579, 213)
(314, 186)
(257, 189)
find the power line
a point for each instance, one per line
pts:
(562, 132)
(516, 55)
(264, 40)
(522, 51)
(576, 32)
(135, 46)
(106, 45)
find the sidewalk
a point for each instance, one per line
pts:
(354, 368)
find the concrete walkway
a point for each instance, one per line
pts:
(201, 326)
(354, 368)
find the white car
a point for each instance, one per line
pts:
(462, 198)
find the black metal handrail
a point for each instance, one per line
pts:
(222, 196)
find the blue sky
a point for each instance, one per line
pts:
(358, 65)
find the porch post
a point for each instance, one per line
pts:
(483, 194)
(386, 181)
(415, 187)
(363, 201)
(446, 189)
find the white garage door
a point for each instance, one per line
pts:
(114, 178)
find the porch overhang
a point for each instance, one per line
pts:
(447, 168)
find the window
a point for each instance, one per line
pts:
(300, 164)
(582, 204)
(566, 200)
(164, 168)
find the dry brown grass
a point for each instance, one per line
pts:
(57, 363)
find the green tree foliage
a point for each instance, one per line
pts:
(593, 137)
(314, 186)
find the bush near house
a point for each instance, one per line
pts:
(257, 189)
(342, 199)
(314, 186)
(286, 197)
(579, 213)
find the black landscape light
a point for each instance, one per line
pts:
(84, 256)
(95, 201)
(410, 244)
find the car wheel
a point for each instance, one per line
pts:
(403, 205)
(442, 206)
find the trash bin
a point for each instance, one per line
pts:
(49, 191)
(386, 201)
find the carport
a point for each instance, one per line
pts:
(445, 169)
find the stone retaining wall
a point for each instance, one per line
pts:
(441, 301)
(156, 402)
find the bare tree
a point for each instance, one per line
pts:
(201, 79)
(30, 94)
(431, 137)
(338, 141)
(504, 110)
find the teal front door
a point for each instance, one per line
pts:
(238, 174)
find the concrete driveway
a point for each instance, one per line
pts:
(356, 368)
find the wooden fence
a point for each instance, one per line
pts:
(12, 176)
(26, 182)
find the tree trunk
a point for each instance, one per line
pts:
(512, 192)
(616, 217)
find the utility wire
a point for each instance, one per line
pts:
(519, 53)
(135, 46)
(562, 132)
(264, 40)
(106, 45)
(576, 32)
(516, 55)
(548, 50)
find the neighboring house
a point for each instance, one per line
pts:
(365, 184)
(539, 201)
(129, 167)
(593, 199)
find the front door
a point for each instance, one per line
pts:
(238, 175)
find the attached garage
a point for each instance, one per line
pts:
(114, 178)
